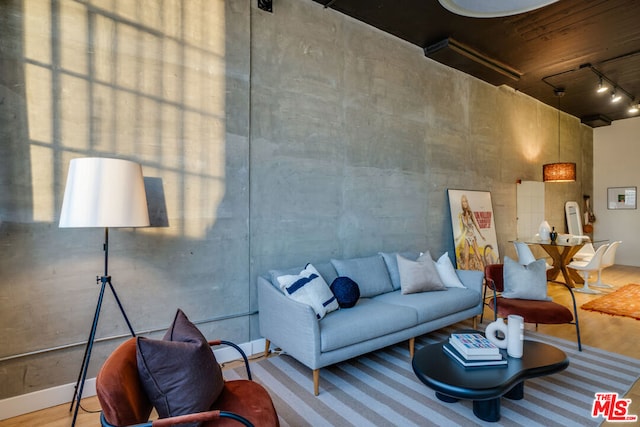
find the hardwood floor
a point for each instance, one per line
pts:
(611, 333)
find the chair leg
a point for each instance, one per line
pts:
(316, 382)
(475, 320)
(585, 289)
(412, 346)
(599, 283)
(267, 345)
(575, 316)
(484, 298)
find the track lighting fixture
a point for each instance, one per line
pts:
(634, 108)
(601, 87)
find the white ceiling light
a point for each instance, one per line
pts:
(492, 8)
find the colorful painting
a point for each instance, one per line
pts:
(474, 230)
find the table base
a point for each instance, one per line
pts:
(488, 410)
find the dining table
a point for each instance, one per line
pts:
(561, 252)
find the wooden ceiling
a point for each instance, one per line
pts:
(566, 46)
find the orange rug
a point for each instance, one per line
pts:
(623, 302)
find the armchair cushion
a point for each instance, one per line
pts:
(525, 281)
(179, 373)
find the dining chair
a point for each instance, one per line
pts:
(525, 255)
(537, 311)
(585, 253)
(586, 267)
(608, 259)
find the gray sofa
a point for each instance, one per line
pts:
(382, 316)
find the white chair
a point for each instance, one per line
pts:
(608, 259)
(525, 256)
(588, 266)
(585, 253)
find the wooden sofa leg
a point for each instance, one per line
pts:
(412, 346)
(316, 382)
(267, 345)
(475, 322)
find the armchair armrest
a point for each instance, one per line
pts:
(238, 349)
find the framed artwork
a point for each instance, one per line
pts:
(474, 230)
(621, 198)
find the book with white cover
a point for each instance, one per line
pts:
(460, 349)
(451, 352)
(473, 344)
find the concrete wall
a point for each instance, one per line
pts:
(615, 164)
(277, 139)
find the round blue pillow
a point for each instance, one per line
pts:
(346, 292)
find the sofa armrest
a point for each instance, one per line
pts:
(472, 279)
(289, 324)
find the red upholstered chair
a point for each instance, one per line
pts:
(533, 311)
(124, 402)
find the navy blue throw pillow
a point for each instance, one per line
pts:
(346, 291)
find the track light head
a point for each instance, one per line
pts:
(601, 87)
(634, 108)
(615, 97)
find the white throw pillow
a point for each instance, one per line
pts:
(447, 273)
(419, 276)
(525, 281)
(310, 288)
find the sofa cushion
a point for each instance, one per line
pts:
(447, 273)
(525, 281)
(392, 264)
(419, 275)
(370, 273)
(433, 305)
(179, 373)
(368, 319)
(346, 291)
(308, 287)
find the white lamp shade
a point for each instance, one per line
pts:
(103, 192)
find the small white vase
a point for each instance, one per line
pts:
(515, 335)
(497, 326)
(544, 231)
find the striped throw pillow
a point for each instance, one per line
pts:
(310, 288)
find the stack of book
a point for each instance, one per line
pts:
(473, 349)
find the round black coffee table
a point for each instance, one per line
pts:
(486, 385)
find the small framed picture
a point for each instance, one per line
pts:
(621, 197)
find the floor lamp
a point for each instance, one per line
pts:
(104, 193)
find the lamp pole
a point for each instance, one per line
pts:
(82, 376)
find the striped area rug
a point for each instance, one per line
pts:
(380, 389)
